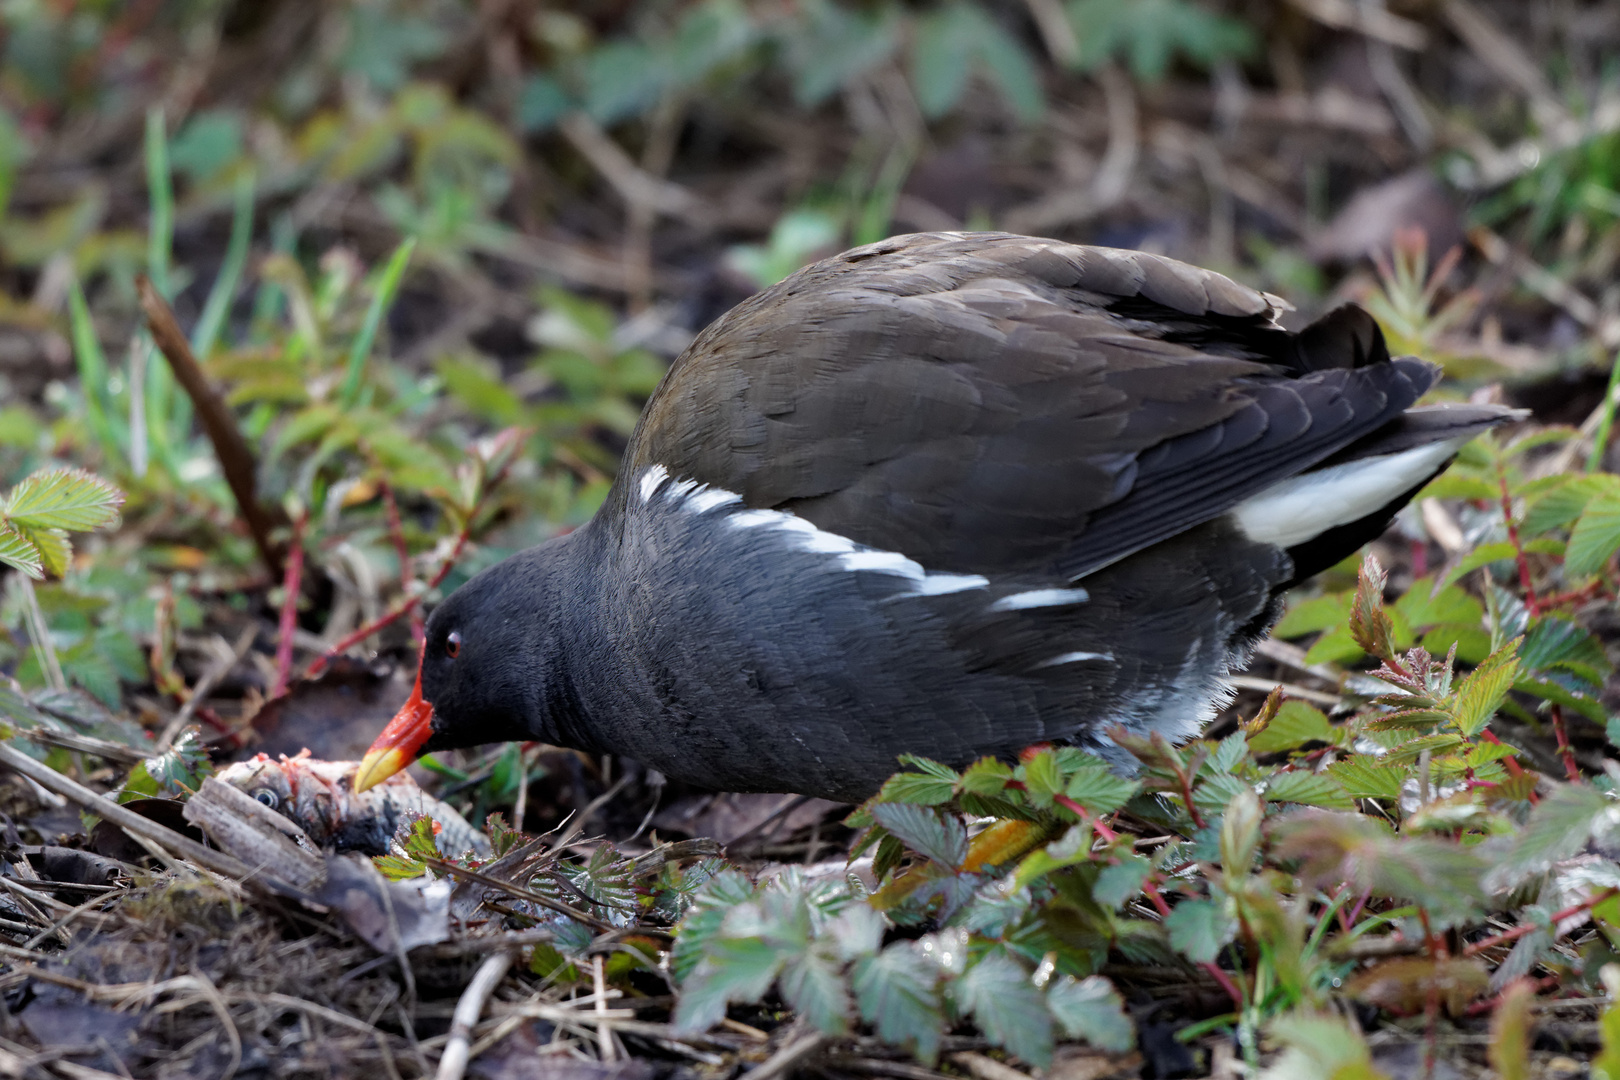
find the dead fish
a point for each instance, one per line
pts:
(319, 797)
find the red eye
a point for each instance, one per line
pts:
(452, 644)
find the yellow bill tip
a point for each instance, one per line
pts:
(377, 766)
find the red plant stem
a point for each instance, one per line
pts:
(396, 531)
(1530, 601)
(1528, 928)
(1148, 887)
(292, 584)
(1355, 912)
(1085, 815)
(1186, 797)
(1566, 752)
(392, 616)
(1480, 1008)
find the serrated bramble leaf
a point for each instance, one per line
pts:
(940, 838)
(1295, 725)
(918, 788)
(1554, 643)
(1563, 504)
(813, 984)
(1317, 613)
(1596, 535)
(1121, 881)
(1309, 789)
(987, 776)
(1559, 827)
(1480, 694)
(1199, 929)
(55, 550)
(1369, 623)
(1364, 778)
(1091, 1009)
(1320, 1046)
(1100, 790)
(19, 553)
(739, 969)
(897, 994)
(1000, 996)
(703, 919)
(64, 499)
(1042, 780)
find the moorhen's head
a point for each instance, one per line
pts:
(477, 679)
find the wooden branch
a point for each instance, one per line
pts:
(235, 456)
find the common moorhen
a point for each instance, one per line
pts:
(949, 494)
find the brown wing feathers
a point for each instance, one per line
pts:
(995, 403)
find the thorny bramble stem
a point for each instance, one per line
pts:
(396, 532)
(404, 607)
(1528, 928)
(292, 584)
(1565, 752)
(1531, 602)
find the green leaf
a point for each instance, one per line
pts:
(1596, 535)
(382, 299)
(1559, 827)
(704, 918)
(1091, 1009)
(943, 43)
(1480, 694)
(1320, 1047)
(1309, 789)
(1199, 929)
(1042, 779)
(19, 553)
(813, 984)
(987, 776)
(1240, 831)
(64, 499)
(1484, 555)
(1003, 1000)
(1295, 724)
(1369, 623)
(416, 844)
(1363, 778)
(897, 994)
(1121, 881)
(1150, 33)
(737, 969)
(1100, 790)
(1564, 504)
(1317, 613)
(917, 788)
(940, 838)
(930, 785)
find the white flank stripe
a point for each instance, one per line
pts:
(1075, 657)
(710, 498)
(650, 481)
(804, 536)
(1036, 598)
(1308, 505)
(940, 584)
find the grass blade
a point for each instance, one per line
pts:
(387, 287)
(160, 188)
(1600, 437)
(218, 306)
(92, 374)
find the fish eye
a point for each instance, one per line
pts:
(452, 644)
(267, 797)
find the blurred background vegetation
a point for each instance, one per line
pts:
(391, 227)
